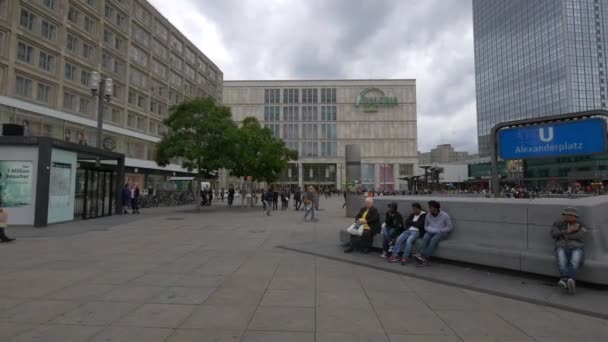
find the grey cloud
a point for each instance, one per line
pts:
(428, 40)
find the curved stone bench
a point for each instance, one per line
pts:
(510, 233)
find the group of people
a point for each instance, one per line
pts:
(308, 201)
(130, 198)
(435, 225)
(399, 235)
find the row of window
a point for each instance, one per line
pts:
(309, 131)
(81, 20)
(292, 95)
(26, 86)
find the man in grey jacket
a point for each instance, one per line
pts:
(569, 247)
(437, 226)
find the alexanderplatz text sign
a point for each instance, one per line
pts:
(572, 134)
(373, 98)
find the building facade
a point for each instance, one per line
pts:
(538, 58)
(318, 118)
(49, 48)
(444, 153)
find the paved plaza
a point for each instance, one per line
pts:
(177, 275)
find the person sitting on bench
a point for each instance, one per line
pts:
(414, 229)
(369, 217)
(568, 234)
(438, 226)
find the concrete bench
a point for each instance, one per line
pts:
(509, 233)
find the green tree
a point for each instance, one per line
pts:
(201, 133)
(259, 154)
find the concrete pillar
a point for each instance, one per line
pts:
(378, 179)
(300, 175)
(339, 170)
(352, 154)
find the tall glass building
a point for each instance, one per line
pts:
(536, 58)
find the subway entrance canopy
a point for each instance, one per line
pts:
(573, 134)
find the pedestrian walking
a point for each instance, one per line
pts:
(4, 225)
(126, 199)
(297, 198)
(275, 200)
(269, 199)
(222, 195)
(230, 196)
(210, 196)
(135, 199)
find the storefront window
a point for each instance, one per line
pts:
(368, 176)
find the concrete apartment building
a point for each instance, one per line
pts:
(444, 153)
(319, 117)
(49, 48)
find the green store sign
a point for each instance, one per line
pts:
(372, 103)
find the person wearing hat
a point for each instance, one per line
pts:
(391, 228)
(569, 234)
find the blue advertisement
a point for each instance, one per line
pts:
(579, 137)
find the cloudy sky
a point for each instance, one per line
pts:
(430, 40)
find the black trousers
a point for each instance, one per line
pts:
(3, 236)
(275, 205)
(364, 241)
(298, 204)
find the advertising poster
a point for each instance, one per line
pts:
(61, 178)
(15, 183)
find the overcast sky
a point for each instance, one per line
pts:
(430, 40)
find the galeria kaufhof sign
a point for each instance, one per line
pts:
(566, 138)
(371, 99)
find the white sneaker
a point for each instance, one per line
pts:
(390, 248)
(562, 283)
(383, 255)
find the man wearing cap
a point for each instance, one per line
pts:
(391, 228)
(569, 247)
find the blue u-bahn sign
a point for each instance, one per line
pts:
(576, 137)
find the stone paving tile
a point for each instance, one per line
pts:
(347, 320)
(133, 293)
(8, 303)
(291, 298)
(58, 333)
(278, 336)
(352, 337)
(419, 322)
(395, 300)
(541, 324)
(220, 317)
(157, 316)
(452, 299)
(156, 279)
(95, 313)
(347, 299)
(37, 311)
(9, 329)
(480, 323)
(235, 296)
(115, 277)
(131, 334)
(200, 335)
(196, 280)
(82, 291)
(423, 338)
(183, 295)
(283, 319)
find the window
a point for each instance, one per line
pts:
(272, 95)
(88, 51)
(109, 12)
(121, 20)
(309, 113)
(161, 30)
(142, 14)
(46, 61)
(272, 113)
(310, 132)
(328, 95)
(136, 121)
(49, 31)
(44, 93)
(107, 61)
(159, 49)
(291, 95)
(176, 79)
(119, 67)
(117, 92)
(138, 78)
(69, 101)
(159, 69)
(25, 53)
(140, 35)
(190, 72)
(73, 43)
(176, 62)
(155, 127)
(2, 38)
(406, 169)
(190, 56)
(85, 106)
(90, 24)
(328, 113)
(23, 86)
(290, 131)
(73, 15)
(329, 149)
(112, 114)
(3, 8)
(176, 43)
(119, 44)
(92, 3)
(291, 113)
(138, 55)
(85, 78)
(135, 150)
(328, 131)
(28, 19)
(70, 71)
(52, 4)
(309, 95)
(108, 37)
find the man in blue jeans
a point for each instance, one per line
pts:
(438, 226)
(414, 226)
(391, 228)
(569, 247)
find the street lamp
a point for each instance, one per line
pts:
(102, 89)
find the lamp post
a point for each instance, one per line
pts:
(102, 89)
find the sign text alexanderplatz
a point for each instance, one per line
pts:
(576, 137)
(373, 98)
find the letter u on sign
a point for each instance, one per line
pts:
(545, 136)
